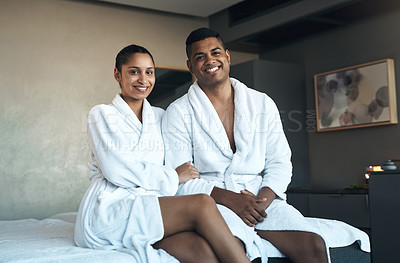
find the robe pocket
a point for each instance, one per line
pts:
(111, 210)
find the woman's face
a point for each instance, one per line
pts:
(137, 77)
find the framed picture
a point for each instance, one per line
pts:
(357, 96)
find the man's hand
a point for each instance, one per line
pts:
(262, 206)
(247, 206)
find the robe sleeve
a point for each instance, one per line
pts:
(122, 167)
(278, 166)
(179, 149)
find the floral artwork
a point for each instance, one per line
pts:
(358, 96)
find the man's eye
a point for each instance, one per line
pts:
(198, 57)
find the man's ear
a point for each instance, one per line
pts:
(117, 75)
(228, 56)
(189, 65)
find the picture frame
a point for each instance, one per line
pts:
(358, 96)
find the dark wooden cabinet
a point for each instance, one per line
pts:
(350, 206)
(375, 211)
(384, 195)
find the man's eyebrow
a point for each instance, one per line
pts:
(201, 53)
(198, 53)
(217, 48)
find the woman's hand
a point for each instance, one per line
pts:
(187, 172)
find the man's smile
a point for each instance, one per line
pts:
(211, 70)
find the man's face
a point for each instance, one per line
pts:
(209, 62)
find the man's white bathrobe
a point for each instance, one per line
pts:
(120, 210)
(192, 130)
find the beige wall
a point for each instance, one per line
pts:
(56, 62)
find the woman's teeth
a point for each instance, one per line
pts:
(141, 88)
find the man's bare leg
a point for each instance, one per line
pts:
(299, 246)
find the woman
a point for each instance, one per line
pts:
(128, 205)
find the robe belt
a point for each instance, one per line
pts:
(236, 182)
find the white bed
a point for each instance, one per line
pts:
(51, 240)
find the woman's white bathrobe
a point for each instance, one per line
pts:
(120, 210)
(192, 130)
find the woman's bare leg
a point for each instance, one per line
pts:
(188, 247)
(199, 213)
(299, 246)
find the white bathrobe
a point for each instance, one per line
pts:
(120, 210)
(193, 131)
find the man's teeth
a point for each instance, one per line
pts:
(212, 69)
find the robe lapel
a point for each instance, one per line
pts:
(151, 132)
(148, 132)
(244, 128)
(208, 119)
(130, 117)
(244, 125)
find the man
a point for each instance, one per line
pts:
(234, 137)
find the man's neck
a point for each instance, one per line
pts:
(219, 94)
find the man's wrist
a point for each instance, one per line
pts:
(266, 192)
(220, 195)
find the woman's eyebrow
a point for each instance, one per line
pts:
(136, 67)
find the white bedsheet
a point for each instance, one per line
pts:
(49, 240)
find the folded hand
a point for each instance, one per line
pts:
(187, 172)
(249, 207)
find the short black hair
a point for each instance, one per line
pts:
(201, 34)
(125, 53)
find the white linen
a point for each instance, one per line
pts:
(120, 210)
(49, 240)
(193, 131)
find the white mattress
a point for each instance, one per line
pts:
(49, 240)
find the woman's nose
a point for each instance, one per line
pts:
(143, 78)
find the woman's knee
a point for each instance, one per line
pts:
(203, 203)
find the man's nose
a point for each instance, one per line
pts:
(210, 60)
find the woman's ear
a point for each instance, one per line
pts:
(117, 75)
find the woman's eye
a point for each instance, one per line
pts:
(150, 72)
(133, 72)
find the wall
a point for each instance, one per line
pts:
(339, 158)
(56, 62)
